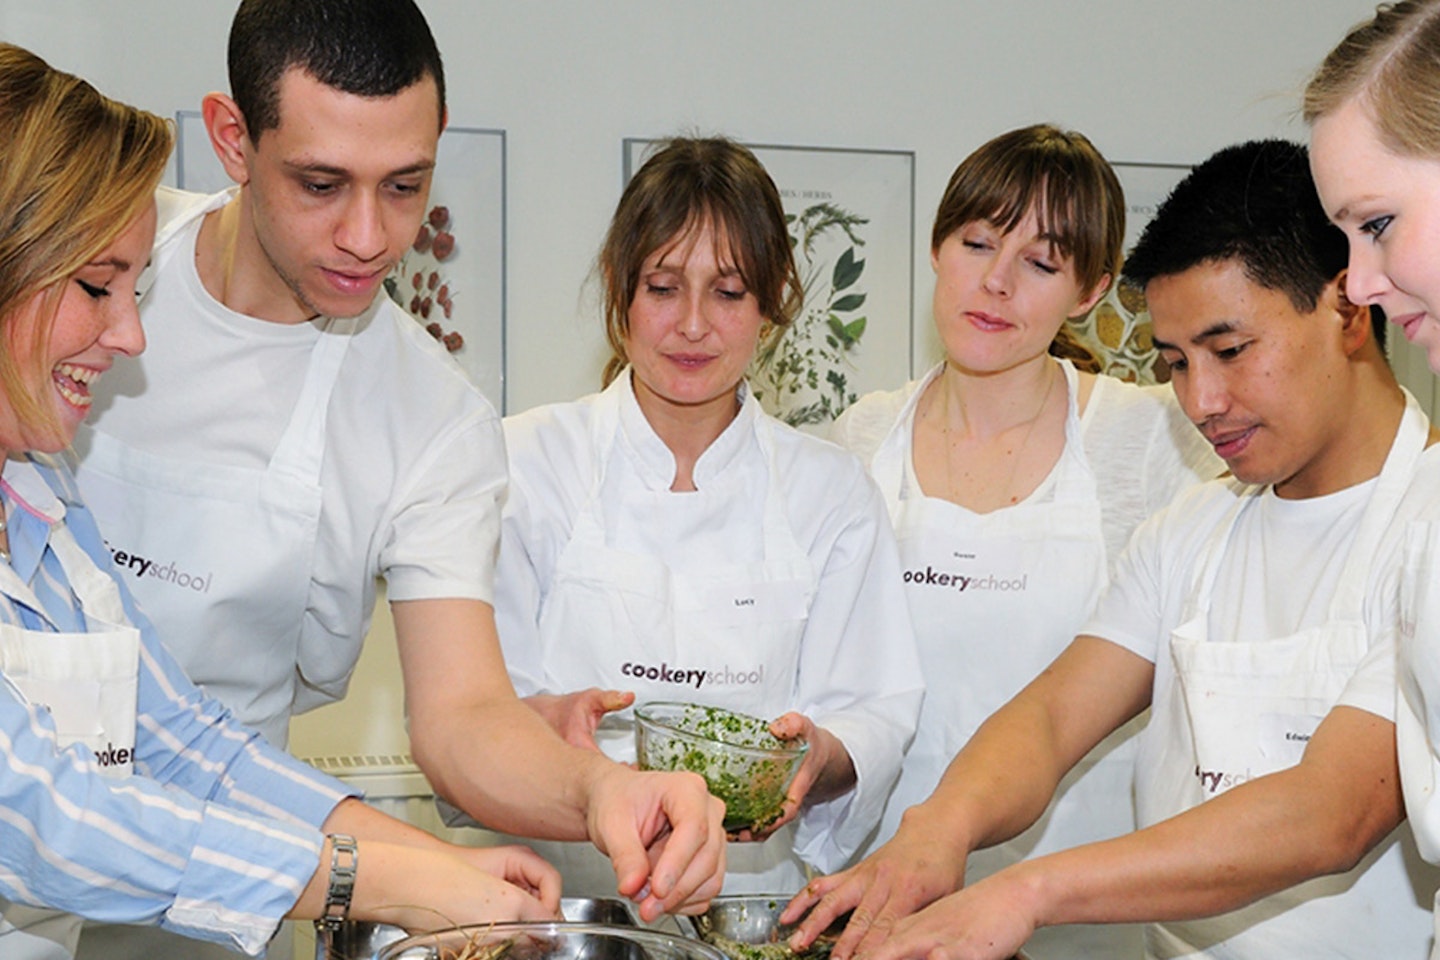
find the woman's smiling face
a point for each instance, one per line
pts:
(97, 318)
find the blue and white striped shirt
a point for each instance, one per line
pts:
(216, 834)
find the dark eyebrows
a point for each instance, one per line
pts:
(1218, 329)
(340, 173)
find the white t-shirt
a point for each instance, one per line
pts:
(1138, 442)
(414, 468)
(1279, 572)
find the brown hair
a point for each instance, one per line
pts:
(1392, 61)
(76, 170)
(1075, 194)
(682, 186)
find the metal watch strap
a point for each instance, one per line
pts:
(344, 859)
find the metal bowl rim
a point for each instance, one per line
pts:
(640, 935)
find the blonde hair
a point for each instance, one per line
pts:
(1392, 63)
(1074, 192)
(76, 170)
(684, 185)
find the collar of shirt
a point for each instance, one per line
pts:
(654, 461)
(36, 509)
(33, 510)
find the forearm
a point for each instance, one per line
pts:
(997, 786)
(416, 889)
(357, 819)
(1223, 855)
(1004, 778)
(836, 776)
(1318, 818)
(501, 763)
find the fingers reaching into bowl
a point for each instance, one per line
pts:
(663, 835)
(901, 877)
(520, 866)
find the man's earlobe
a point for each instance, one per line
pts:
(228, 135)
(1354, 317)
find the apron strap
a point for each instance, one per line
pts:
(892, 466)
(182, 209)
(300, 453)
(1394, 480)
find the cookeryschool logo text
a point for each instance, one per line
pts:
(723, 676)
(138, 567)
(966, 583)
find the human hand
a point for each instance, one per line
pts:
(902, 876)
(576, 715)
(990, 920)
(426, 888)
(826, 772)
(520, 866)
(699, 901)
(664, 834)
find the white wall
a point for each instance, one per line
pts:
(1147, 80)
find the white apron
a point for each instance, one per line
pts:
(995, 597)
(1239, 710)
(615, 619)
(88, 682)
(230, 548)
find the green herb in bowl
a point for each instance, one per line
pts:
(742, 762)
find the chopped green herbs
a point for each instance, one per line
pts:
(775, 950)
(751, 780)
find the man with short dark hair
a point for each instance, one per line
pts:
(1250, 617)
(291, 434)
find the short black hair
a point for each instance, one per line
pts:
(369, 48)
(1256, 203)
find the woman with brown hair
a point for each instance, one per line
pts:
(667, 527)
(1018, 472)
(127, 795)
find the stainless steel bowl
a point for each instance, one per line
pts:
(611, 910)
(355, 940)
(548, 941)
(358, 940)
(754, 920)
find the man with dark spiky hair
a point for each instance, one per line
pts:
(291, 435)
(1251, 617)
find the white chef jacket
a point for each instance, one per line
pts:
(856, 673)
(410, 478)
(1126, 455)
(1282, 564)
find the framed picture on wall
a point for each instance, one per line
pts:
(452, 278)
(1118, 327)
(851, 215)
